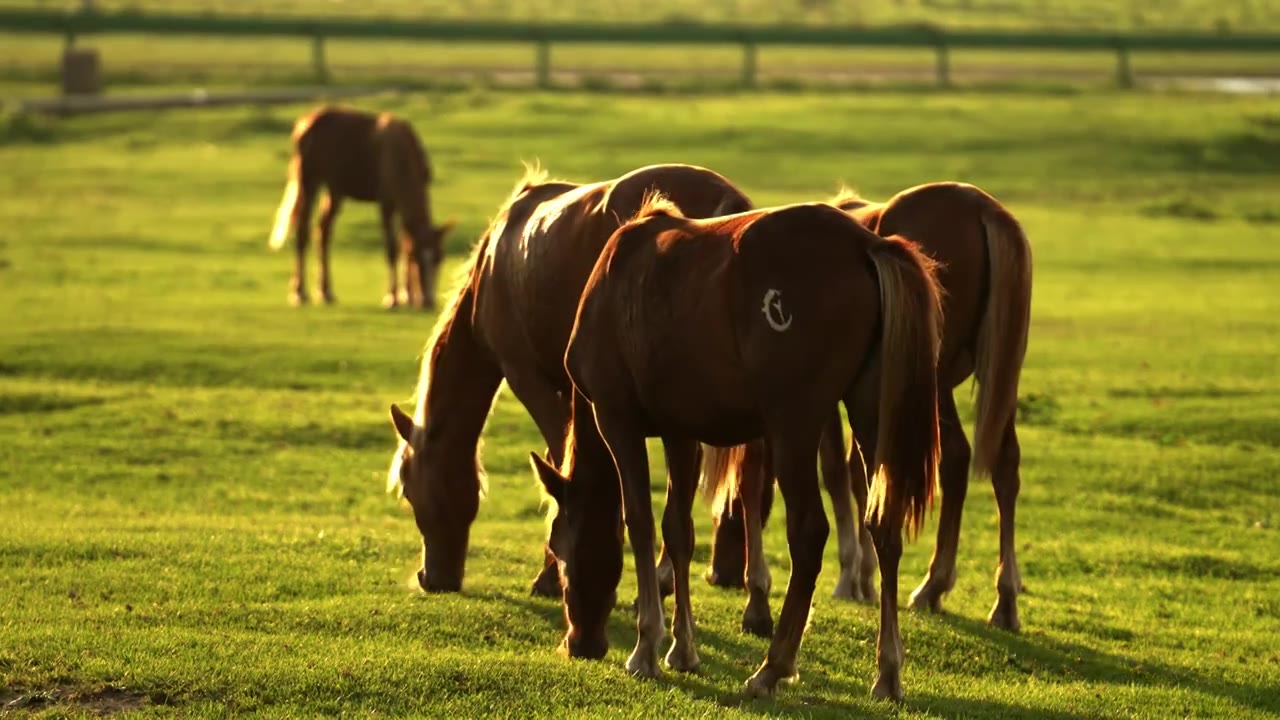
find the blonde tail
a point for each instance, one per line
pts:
(288, 207)
(907, 452)
(1002, 337)
(721, 473)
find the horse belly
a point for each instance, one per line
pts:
(720, 427)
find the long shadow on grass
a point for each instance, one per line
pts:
(1051, 659)
(969, 707)
(728, 659)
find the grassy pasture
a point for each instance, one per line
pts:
(191, 511)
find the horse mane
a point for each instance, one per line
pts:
(656, 204)
(439, 335)
(534, 175)
(565, 470)
(846, 194)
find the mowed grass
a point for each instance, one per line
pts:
(192, 515)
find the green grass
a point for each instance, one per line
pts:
(191, 505)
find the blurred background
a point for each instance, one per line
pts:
(1187, 43)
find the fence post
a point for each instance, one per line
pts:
(317, 59)
(748, 64)
(943, 64)
(1124, 72)
(542, 64)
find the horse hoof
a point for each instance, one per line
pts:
(759, 626)
(643, 664)
(757, 688)
(715, 579)
(683, 658)
(927, 599)
(1005, 616)
(846, 590)
(389, 301)
(297, 299)
(888, 689)
(765, 681)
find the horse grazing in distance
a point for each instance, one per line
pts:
(371, 158)
(986, 281)
(725, 330)
(511, 320)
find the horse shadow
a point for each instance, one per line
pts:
(729, 656)
(1054, 659)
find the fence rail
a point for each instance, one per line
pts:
(72, 25)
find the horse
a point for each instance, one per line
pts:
(371, 158)
(720, 331)
(510, 320)
(986, 281)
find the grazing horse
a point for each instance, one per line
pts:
(722, 331)
(373, 158)
(511, 319)
(986, 282)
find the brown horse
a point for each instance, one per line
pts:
(372, 158)
(511, 320)
(721, 331)
(986, 282)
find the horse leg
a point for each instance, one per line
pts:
(550, 411)
(755, 475)
(728, 561)
(392, 248)
(328, 214)
(890, 656)
(836, 476)
(864, 424)
(302, 219)
(796, 469)
(626, 443)
(683, 459)
(954, 472)
(1007, 482)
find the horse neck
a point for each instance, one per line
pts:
(459, 382)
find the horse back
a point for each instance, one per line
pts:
(701, 322)
(336, 148)
(697, 191)
(806, 289)
(946, 221)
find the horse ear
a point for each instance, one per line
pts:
(403, 423)
(550, 478)
(444, 229)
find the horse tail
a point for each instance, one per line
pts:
(721, 473)
(288, 205)
(907, 450)
(1002, 336)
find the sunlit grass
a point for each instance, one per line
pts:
(191, 482)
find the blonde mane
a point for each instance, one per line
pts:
(534, 176)
(656, 204)
(439, 334)
(566, 471)
(847, 194)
